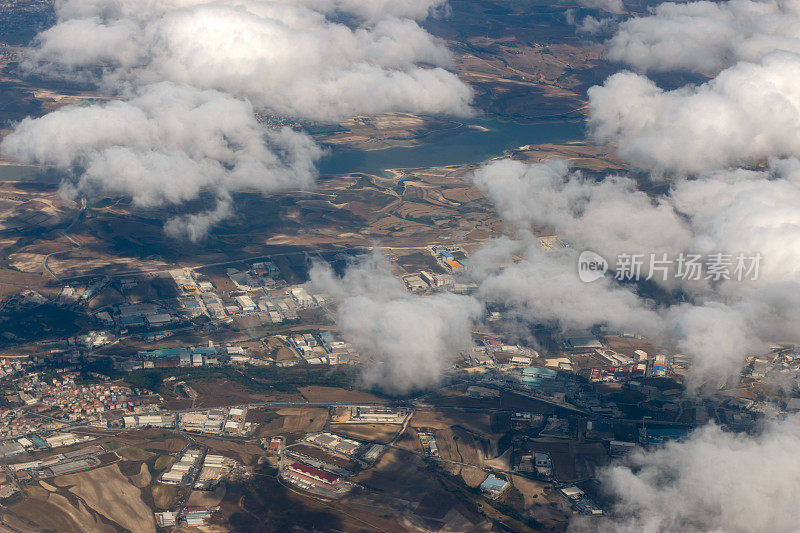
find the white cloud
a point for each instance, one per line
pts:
(745, 115)
(610, 216)
(707, 36)
(748, 113)
(716, 336)
(143, 9)
(591, 26)
(192, 74)
(165, 145)
(713, 481)
(750, 213)
(544, 288)
(375, 9)
(728, 212)
(284, 57)
(406, 341)
(745, 212)
(612, 6)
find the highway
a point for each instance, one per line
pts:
(140, 272)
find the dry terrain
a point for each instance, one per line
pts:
(109, 493)
(380, 433)
(386, 130)
(316, 393)
(303, 419)
(52, 511)
(96, 500)
(207, 498)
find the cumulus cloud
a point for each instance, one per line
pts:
(707, 36)
(366, 11)
(745, 114)
(406, 341)
(285, 57)
(610, 216)
(727, 212)
(612, 6)
(742, 211)
(697, 136)
(591, 25)
(191, 74)
(166, 145)
(375, 9)
(544, 288)
(713, 481)
(732, 212)
(716, 336)
(195, 226)
(748, 113)
(752, 213)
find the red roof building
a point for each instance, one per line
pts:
(312, 474)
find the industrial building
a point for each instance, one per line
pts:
(196, 516)
(377, 415)
(214, 469)
(415, 283)
(660, 366)
(538, 377)
(165, 519)
(452, 265)
(301, 296)
(494, 486)
(158, 319)
(616, 447)
(245, 303)
(428, 443)
(216, 421)
(180, 471)
(582, 503)
(314, 476)
(373, 452)
(334, 443)
(9, 449)
(581, 341)
(276, 444)
(543, 465)
(156, 421)
(70, 467)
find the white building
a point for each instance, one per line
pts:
(301, 296)
(245, 303)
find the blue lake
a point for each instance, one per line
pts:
(464, 146)
(468, 146)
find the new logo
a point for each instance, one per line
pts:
(591, 266)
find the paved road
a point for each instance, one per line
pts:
(220, 263)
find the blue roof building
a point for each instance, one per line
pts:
(662, 435)
(132, 321)
(205, 350)
(533, 371)
(494, 485)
